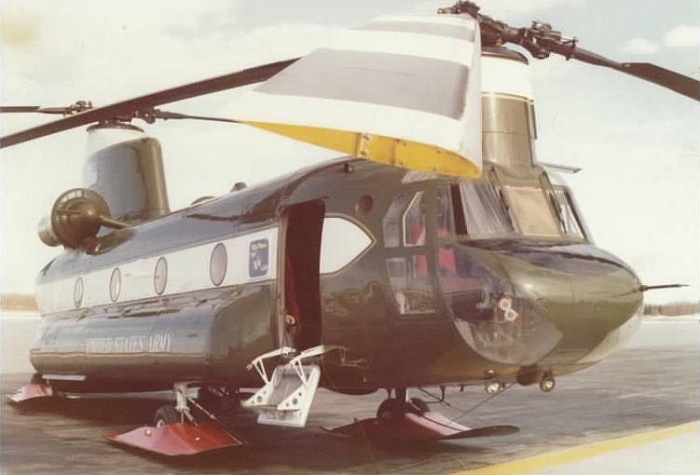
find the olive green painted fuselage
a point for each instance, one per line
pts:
(510, 306)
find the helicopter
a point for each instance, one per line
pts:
(356, 274)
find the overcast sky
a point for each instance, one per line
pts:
(637, 143)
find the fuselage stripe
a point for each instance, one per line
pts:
(249, 258)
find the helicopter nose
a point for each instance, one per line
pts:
(554, 305)
(591, 297)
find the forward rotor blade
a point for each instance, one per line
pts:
(541, 40)
(663, 77)
(672, 80)
(125, 108)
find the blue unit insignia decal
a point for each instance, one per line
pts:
(259, 258)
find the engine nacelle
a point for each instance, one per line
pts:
(76, 215)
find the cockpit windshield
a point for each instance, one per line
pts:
(531, 212)
(492, 211)
(485, 211)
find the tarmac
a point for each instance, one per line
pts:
(635, 413)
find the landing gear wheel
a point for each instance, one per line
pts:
(417, 406)
(166, 415)
(391, 408)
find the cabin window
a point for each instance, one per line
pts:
(218, 264)
(78, 292)
(160, 276)
(115, 284)
(342, 242)
(412, 286)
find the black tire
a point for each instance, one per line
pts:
(391, 408)
(166, 415)
(417, 406)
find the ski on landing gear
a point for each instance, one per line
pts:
(411, 419)
(176, 432)
(38, 389)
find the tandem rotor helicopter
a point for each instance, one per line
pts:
(435, 255)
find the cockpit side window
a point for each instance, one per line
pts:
(404, 222)
(414, 221)
(392, 220)
(568, 217)
(405, 226)
(445, 213)
(412, 287)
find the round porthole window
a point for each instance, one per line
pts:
(218, 264)
(115, 284)
(78, 290)
(160, 276)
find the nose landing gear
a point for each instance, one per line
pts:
(400, 405)
(411, 419)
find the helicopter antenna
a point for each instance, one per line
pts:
(541, 40)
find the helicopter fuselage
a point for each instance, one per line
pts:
(421, 280)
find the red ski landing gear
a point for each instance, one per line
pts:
(36, 394)
(31, 392)
(178, 438)
(412, 420)
(175, 431)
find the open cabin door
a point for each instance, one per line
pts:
(286, 397)
(301, 294)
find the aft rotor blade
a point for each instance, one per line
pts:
(126, 108)
(18, 109)
(79, 106)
